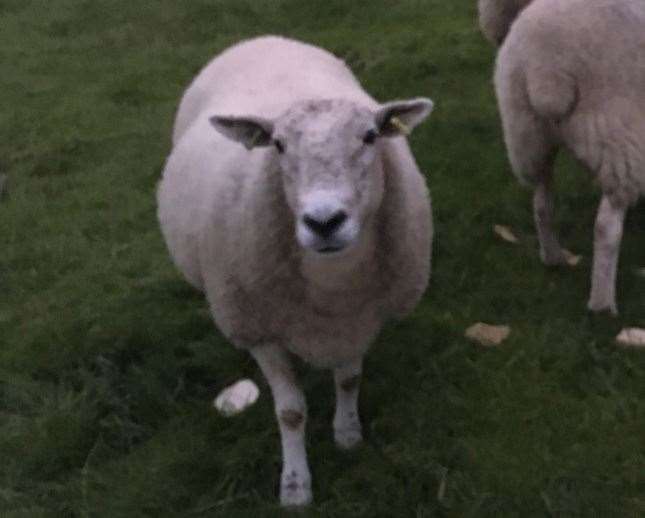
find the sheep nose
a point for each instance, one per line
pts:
(325, 227)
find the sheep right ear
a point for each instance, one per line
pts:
(249, 131)
(400, 117)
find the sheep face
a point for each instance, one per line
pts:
(328, 157)
(328, 152)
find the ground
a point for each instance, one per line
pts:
(109, 361)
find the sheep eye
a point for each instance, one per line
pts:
(279, 146)
(369, 137)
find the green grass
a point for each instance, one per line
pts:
(109, 361)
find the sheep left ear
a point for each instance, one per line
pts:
(400, 117)
(249, 131)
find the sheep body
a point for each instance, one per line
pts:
(559, 81)
(240, 78)
(309, 239)
(571, 73)
(224, 218)
(233, 83)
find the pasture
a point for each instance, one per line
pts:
(109, 361)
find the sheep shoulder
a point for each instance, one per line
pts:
(406, 231)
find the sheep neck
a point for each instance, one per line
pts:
(347, 271)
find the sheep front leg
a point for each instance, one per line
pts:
(347, 424)
(608, 233)
(291, 411)
(551, 252)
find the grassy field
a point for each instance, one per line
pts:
(109, 361)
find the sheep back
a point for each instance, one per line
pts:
(572, 72)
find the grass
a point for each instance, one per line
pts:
(109, 361)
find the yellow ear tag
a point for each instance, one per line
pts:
(403, 129)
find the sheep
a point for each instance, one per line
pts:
(309, 235)
(571, 74)
(496, 17)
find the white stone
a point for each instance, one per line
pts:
(632, 337)
(488, 335)
(505, 233)
(237, 398)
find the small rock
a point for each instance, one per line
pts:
(505, 233)
(632, 337)
(488, 335)
(237, 398)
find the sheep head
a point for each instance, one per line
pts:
(328, 155)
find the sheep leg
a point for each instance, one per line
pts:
(291, 411)
(551, 252)
(532, 149)
(608, 233)
(347, 424)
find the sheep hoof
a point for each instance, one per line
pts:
(553, 257)
(599, 305)
(295, 490)
(348, 438)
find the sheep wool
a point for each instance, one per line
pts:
(571, 74)
(292, 200)
(496, 17)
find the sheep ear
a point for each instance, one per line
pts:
(400, 117)
(249, 131)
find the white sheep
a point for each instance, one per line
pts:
(496, 17)
(571, 73)
(310, 234)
